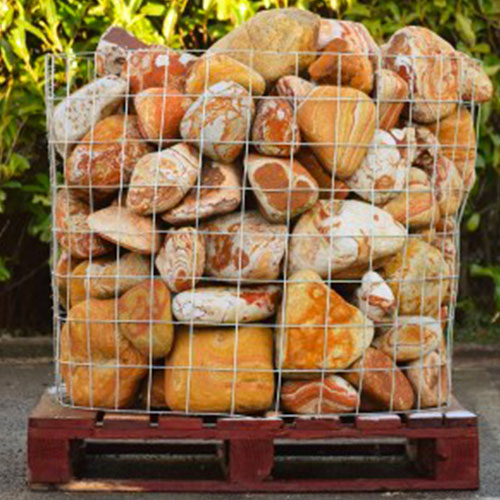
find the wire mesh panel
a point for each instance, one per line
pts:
(245, 231)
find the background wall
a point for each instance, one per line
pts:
(31, 28)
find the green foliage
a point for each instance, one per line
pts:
(31, 28)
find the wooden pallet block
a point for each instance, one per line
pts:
(442, 448)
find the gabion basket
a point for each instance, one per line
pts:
(289, 248)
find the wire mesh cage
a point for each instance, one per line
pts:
(227, 245)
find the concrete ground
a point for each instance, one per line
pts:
(476, 382)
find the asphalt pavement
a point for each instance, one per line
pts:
(476, 384)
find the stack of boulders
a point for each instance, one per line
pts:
(268, 225)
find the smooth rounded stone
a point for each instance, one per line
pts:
(78, 113)
(384, 170)
(356, 35)
(104, 160)
(294, 88)
(161, 180)
(226, 304)
(152, 393)
(109, 277)
(274, 130)
(457, 140)
(341, 64)
(234, 371)
(61, 272)
(375, 299)
(145, 318)
(428, 148)
(474, 84)
(429, 379)
(159, 112)
(72, 230)
(416, 205)
(271, 42)
(181, 259)
(391, 93)
(112, 49)
(77, 290)
(410, 337)
(309, 397)
(157, 66)
(339, 124)
(334, 236)
(214, 68)
(428, 63)
(328, 188)
(218, 121)
(125, 228)
(244, 247)
(381, 381)
(310, 314)
(418, 277)
(219, 192)
(100, 367)
(283, 187)
(448, 186)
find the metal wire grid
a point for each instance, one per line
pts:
(70, 63)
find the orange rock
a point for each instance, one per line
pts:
(283, 188)
(381, 381)
(310, 315)
(153, 391)
(274, 132)
(474, 82)
(156, 66)
(160, 111)
(104, 161)
(100, 366)
(62, 276)
(222, 368)
(71, 227)
(391, 93)
(341, 65)
(146, 319)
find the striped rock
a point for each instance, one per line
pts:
(448, 186)
(219, 192)
(244, 247)
(375, 298)
(145, 318)
(72, 230)
(334, 395)
(384, 170)
(226, 304)
(332, 238)
(77, 114)
(428, 64)
(474, 83)
(391, 93)
(181, 259)
(293, 87)
(283, 187)
(218, 121)
(125, 228)
(108, 154)
(409, 338)
(335, 117)
(274, 131)
(381, 381)
(311, 314)
(160, 180)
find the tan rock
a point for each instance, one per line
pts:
(293, 87)
(333, 237)
(375, 299)
(214, 68)
(126, 229)
(62, 276)
(219, 192)
(214, 305)
(332, 117)
(262, 42)
(152, 393)
(160, 180)
(283, 187)
(218, 121)
(181, 259)
(274, 130)
(473, 82)
(392, 92)
(244, 247)
(310, 314)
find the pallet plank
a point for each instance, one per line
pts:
(377, 422)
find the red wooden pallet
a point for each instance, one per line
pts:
(76, 450)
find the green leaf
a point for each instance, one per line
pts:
(4, 270)
(473, 222)
(153, 9)
(464, 27)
